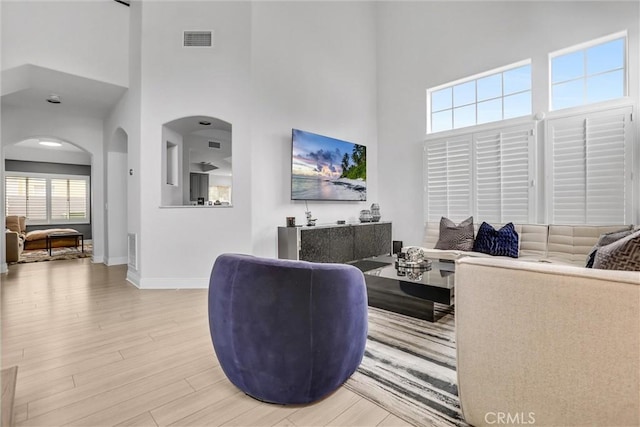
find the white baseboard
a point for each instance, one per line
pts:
(116, 260)
(133, 278)
(97, 259)
(4, 268)
(177, 283)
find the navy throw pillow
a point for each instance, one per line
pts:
(502, 242)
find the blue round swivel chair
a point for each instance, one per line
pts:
(284, 331)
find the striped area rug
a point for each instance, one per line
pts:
(409, 368)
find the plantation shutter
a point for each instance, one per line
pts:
(447, 174)
(503, 174)
(36, 199)
(78, 196)
(15, 191)
(59, 199)
(26, 196)
(589, 168)
(68, 199)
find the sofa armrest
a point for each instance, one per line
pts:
(14, 245)
(557, 343)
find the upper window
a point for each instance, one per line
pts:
(488, 97)
(588, 73)
(47, 199)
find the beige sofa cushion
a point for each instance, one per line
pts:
(572, 243)
(559, 341)
(16, 223)
(533, 240)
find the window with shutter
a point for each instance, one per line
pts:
(504, 170)
(588, 168)
(447, 174)
(45, 199)
(486, 174)
(15, 190)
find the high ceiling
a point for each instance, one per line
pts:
(28, 86)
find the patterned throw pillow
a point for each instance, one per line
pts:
(456, 237)
(623, 254)
(502, 242)
(604, 240)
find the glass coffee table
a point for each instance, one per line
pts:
(411, 295)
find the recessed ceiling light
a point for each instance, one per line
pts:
(204, 123)
(54, 99)
(50, 143)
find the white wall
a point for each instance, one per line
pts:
(172, 194)
(425, 44)
(88, 39)
(83, 131)
(116, 212)
(125, 117)
(313, 68)
(179, 245)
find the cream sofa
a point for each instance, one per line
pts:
(548, 344)
(557, 244)
(14, 237)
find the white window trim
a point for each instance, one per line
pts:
(584, 46)
(466, 129)
(484, 127)
(48, 177)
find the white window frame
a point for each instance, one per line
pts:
(476, 77)
(48, 177)
(583, 47)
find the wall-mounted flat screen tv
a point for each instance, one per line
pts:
(324, 168)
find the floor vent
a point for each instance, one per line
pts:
(214, 144)
(198, 39)
(133, 250)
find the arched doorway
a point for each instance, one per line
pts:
(57, 174)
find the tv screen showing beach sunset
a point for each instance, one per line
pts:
(324, 168)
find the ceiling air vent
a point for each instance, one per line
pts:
(214, 144)
(198, 39)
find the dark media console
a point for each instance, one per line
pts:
(335, 243)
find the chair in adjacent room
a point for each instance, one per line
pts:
(287, 332)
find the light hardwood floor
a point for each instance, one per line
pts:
(93, 350)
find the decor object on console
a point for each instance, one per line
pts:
(375, 212)
(310, 221)
(365, 216)
(456, 236)
(287, 332)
